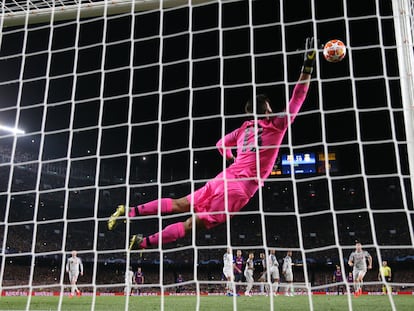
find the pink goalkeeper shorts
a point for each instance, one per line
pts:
(210, 200)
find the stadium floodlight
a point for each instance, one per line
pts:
(11, 129)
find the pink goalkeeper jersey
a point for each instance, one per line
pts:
(270, 134)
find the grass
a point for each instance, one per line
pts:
(207, 303)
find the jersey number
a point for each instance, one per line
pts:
(248, 143)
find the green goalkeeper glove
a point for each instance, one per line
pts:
(309, 57)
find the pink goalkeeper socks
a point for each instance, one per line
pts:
(170, 234)
(151, 208)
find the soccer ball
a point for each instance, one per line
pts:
(334, 51)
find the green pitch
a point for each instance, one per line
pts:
(189, 303)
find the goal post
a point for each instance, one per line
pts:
(404, 30)
(16, 12)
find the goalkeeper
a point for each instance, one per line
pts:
(239, 182)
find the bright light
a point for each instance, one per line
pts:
(11, 129)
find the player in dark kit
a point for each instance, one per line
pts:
(338, 278)
(238, 266)
(139, 280)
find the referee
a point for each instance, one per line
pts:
(385, 272)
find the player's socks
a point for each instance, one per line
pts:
(170, 234)
(357, 290)
(151, 208)
(275, 287)
(72, 291)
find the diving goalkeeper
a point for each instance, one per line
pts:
(237, 183)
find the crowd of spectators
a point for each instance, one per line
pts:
(43, 228)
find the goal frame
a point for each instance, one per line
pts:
(404, 33)
(62, 12)
(83, 9)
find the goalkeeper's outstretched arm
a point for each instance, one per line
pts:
(301, 89)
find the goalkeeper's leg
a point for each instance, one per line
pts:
(170, 234)
(167, 206)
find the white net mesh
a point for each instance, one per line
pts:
(124, 101)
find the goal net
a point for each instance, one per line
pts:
(122, 102)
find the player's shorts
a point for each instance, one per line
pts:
(289, 276)
(263, 276)
(249, 275)
(210, 201)
(128, 287)
(357, 272)
(73, 276)
(238, 277)
(228, 273)
(274, 272)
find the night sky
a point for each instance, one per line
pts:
(62, 102)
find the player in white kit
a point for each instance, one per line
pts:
(248, 273)
(228, 271)
(358, 260)
(263, 274)
(129, 280)
(288, 273)
(273, 266)
(74, 266)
